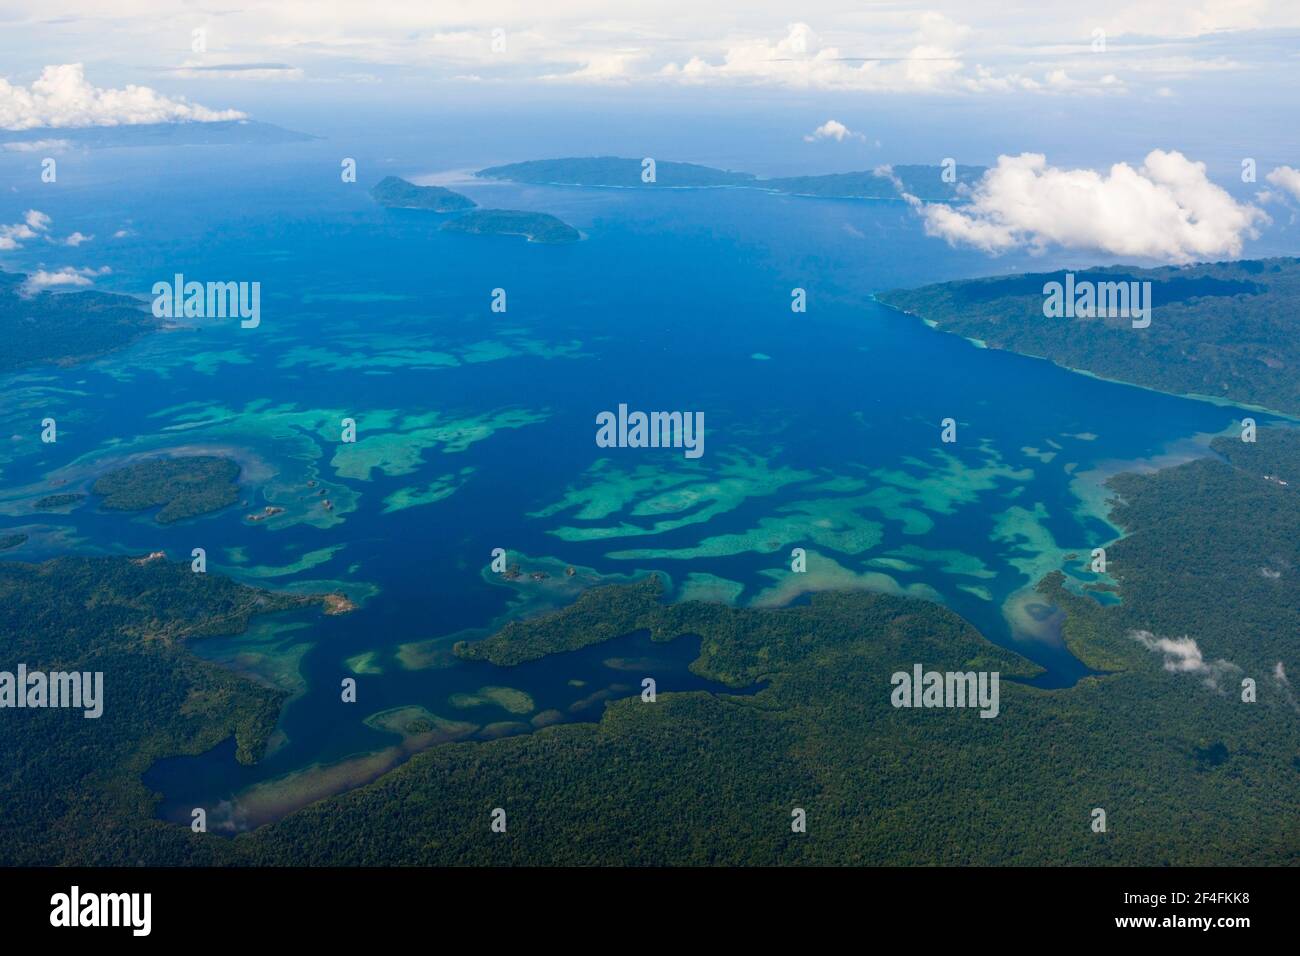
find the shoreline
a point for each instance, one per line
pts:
(1190, 396)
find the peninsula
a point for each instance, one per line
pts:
(1222, 330)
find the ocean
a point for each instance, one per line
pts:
(476, 431)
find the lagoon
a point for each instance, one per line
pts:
(474, 432)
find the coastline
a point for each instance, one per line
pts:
(1191, 396)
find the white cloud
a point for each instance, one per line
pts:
(13, 236)
(929, 58)
(1286, 177)
(832, 129)
(1166, 209)
(76, 239)
(800, 59)
(68, 276)
(62, 98)
(1182, 655)
(1279, 675)
(998, 46)
(606, 68)
(37, 146)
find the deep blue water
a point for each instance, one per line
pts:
(664, 304)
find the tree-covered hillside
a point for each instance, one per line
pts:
(1226, 330)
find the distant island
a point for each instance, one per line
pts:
(613, 171)
(541, 227)
(536, 226)
(923, 182)
(183, 487)
(1223, 330)
(223, 133)
(66, 327)
(397, 193)
(884, 182)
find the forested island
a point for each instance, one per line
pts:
(399, 194)
(535, 226)
(184, 487)
(71, 791)
(613, 171)
(1225, 330)
(924, 182)
(66, 327)
(1187, 771)
(55, 502)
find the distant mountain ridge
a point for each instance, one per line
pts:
(225, 133)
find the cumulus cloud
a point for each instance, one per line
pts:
(1182, 655)
(832, 129)
(930, 59)
(605, 68)
(62, 98)
(68, 276)
(1286, 178)
(800, 59)
(34, 223)
(1165, 209)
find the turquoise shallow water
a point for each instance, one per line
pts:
(477, 428)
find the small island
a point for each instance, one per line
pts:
(57, 501)
(182, 487)
(535, 226)
(397, 193)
